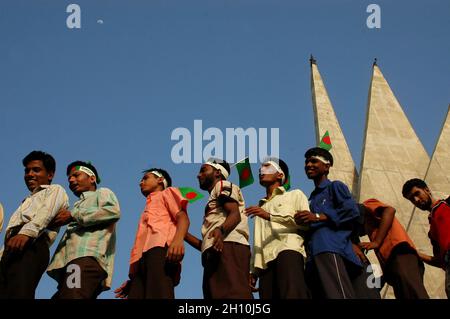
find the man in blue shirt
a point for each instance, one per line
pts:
(332, 264)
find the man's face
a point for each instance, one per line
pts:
(206, 176)
(149, 183)
(268, 174)
(80, 182)
(36, 175)
(420, 197)
(315, 168)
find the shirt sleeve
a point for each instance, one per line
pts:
(300, 202)
(105, 209)
(344, 206)
(174, 201)
(225, 191)
(375, 207)
(55, 198)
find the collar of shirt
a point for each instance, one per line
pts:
(436, 206)
(277, 191)
(38, 189)
(324, 184)
(87, 194)
(153, 194)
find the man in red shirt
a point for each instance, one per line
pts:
(417, 191)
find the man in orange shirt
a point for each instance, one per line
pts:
(155, 262)
(401, 265)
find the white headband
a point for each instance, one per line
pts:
(85, 170)
(158, 174)
(278, 168)
(220, 168)
(321, 158)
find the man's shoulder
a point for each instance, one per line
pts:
(338, 183)
(226, 186)
(295, 193)
(105, 190)
(54, 187)
(442, 204)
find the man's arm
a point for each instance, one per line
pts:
(430, 260)
(233, 219)
(387, 217)
(106, 210)
(193, 241)
(55, 199)
(175, 252)
(299, 201)
(344, 206)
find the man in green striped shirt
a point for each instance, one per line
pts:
(84, 259)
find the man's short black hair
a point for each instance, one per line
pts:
(86, 164)
(409, 185)
(47, 160)
(222, 163)
(163, 173)
(282, 165)
(318, 151)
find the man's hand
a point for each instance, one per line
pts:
(123, 290)
(253, 279)
(359, 253)
(218, 239)
(62, 218)
(175, 253)
(17, 243)
(430, 260)
(304, 217)
(369, 245)
(253, 211)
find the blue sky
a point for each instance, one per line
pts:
(113, 92)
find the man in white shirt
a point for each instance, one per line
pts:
(27, 240)
(224, 244)
(278, 258)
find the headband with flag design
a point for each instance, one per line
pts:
(86, 170)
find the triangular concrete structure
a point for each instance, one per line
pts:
(325, 120)
(392, 154)
(438, 180)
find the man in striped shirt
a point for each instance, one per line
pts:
(84, 259)
(224, 244)
(28, 237)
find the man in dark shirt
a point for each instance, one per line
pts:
(332, 263)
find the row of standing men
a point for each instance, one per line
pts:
(302, 249)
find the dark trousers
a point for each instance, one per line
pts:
(404, 272)
(329, 276)
(155, 278)
(447, 274)
(364, 283)
(226, 274)
(89, 283)
(20, 272)
(284, 277)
